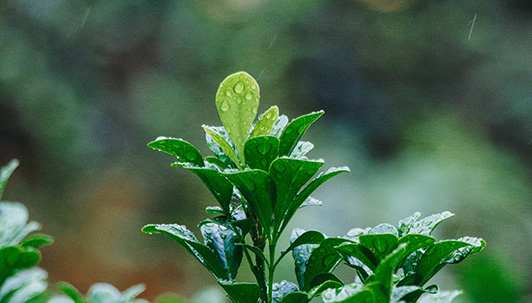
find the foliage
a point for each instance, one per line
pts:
(20, 280)
(261, 177)
(100, 293)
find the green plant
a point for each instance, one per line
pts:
(100, 293)
(260, 177)
(20, 280)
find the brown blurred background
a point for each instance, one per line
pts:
(428, 102)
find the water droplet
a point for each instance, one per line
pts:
(239, 100)
(239, 87)
(228, 93)
(263, 148)
(223, 236)
(301, 254)
(275, 287)
(208, 230)
(225, 106)
(249, 96)
(191, 156)
(268, 116)
(327, 295)
(254, 111)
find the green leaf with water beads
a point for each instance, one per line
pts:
(223, 240)
(381, 245)
(410, 293)
(224, 145)
(184, 151)
(323, 259)
(308, 237)
(261, 151)
(295, 297)
(265, 123)
(301, 254)
(241, 292)
(349, 293)
(295, 130)
(384, 274)
(359, 252)
(280, 290)
(186, 238)
(237, 101)
(425, 226)
(5, 173)
(440, 297)
(258, 190)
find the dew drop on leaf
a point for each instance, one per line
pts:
(239, 87)
(249, 96)
(228, 93)
(225, 106)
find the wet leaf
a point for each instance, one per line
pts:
(440, 297)
(301, 254)
(241, 292)
(259, 253)
(308, 237)
(279, 126)
(215, 161)
(350, 293)
(259, 191)
(265, 122)
(223, 144)
(290, 175)
(359, 252)
(380, 245)
(410, 293)
(261, 151)
(301, 149)
(223, 240)
(295, 130)
(186, 239)
(184, 151)
(425, 226)
(295, 297)
(237, 101)
(321, 287)
(384, 273)
(282, 289)
(323, 259)
(5, 173)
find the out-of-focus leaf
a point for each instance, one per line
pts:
(261, 151)
(72, 292)
(259, 191)
(237, 101)
(23, 286)
(14, 225)
(13, 258)
(323, 259)
(241, 292)
(425, 226)
(184, 151)
(440, 297)
(186, 238)
(5, 173)
(37, 241)
(265, 122)
(223, 144)
(225, 244)
(295, 130)
(282, 289)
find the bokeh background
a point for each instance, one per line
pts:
(428, 102)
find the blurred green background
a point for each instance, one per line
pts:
(430, 110)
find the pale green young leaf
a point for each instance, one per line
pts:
(224, 145)
(265, 123)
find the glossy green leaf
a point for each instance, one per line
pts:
(217, 184)
(295, 130)
(436, 257)
(440, 297)
(215, 161)
(223, 144)
(384, 273)
(237, 101)
(241, 292)
(261, 151)
(280, 290)
(359, 252)
(223, 240)
(259, 253)
(425, 226)
(308, 190)
(279, 126)
(295, 297)
(265, 122)
(323, 259)
(186, 238)
(259, 191)
(381, 245)
(301, 254)
(290, 175)
(307, 237)
(23, 286)
(5, 173)
(184, 151)
(216, 149)
(414, 242)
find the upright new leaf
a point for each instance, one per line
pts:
(5, 173)
(184, 151)
(265, 123)
(237, 101)
(295, 130)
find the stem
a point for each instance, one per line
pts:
(271, 271)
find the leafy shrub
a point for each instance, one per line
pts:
(260, 177)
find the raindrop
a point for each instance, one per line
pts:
(225, 106)
(239, 100)
(269, 116)
(191, 156)
(254, 111)
(327, 295)
(275, 287)
(223, 236)
(228, 93)
(239, 87)
(249, 96)
(301, 254)
(263, 148)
